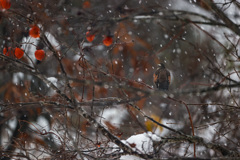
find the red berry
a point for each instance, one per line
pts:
(7, 51)
(34, 32)
(39, 54)
(90, 37)
(5, 4)
(19, 53)
(107, 41)
(86, 4)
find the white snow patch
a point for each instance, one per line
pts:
(76, 57)
(53, 80)
(209, 132)
(113, 115)
(235, 76)
(17, 77)
(143, 144)
(143, 17)
(99, 47)
(29, 45)
(170, 123)
(53, 40)
(41, 125)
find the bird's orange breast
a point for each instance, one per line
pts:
(155, 77)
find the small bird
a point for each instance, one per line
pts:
(162, 77)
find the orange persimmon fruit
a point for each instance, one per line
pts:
(7, 51)
(86, 4)
(5, 4)
(19, 53)
(39, 54)
(34, 31)
(107, 41)
(90, 37)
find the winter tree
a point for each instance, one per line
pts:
(76, 79)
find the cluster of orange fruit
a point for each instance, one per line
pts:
(19, 52)
(5, 4)
(107, 41)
